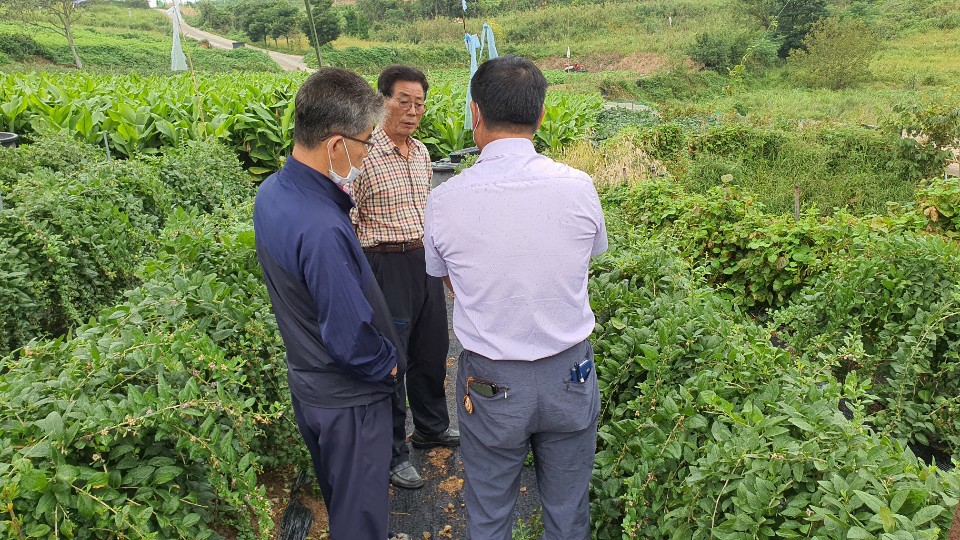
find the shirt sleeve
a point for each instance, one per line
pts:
(600, 240)
(359, 191)
(429, 166)
(436, 266)
(344, 315)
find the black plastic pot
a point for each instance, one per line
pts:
(9, 139)
(456, 157)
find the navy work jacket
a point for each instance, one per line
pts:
(335, 324)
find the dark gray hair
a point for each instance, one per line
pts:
(509, 91)
(334, 101)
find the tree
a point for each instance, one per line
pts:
(285, 20)
(214, 17)
(789, 21)
(273, 18)
(326, 23)
(837, 53)
(795, 20)
(355, 23)
(56, 15)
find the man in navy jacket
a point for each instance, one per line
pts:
(342, 362)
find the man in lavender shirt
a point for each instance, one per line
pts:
(512, 236)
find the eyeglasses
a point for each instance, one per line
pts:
(405, 104)
(369, 144)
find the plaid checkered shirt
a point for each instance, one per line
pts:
(391, 192)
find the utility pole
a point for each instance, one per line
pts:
(313, 30)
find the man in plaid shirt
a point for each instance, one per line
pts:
(390, 195)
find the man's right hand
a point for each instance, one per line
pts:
(393, 372)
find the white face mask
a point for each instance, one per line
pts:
(345, 183)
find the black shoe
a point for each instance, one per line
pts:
(450, 437)
(405, 476)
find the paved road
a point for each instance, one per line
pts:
(288, 62)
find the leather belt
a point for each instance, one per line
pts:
(395, 247)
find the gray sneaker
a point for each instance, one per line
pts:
(405, 476)
(398, 536)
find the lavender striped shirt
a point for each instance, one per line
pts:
(515, 233)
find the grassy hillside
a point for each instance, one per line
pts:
(112, 37)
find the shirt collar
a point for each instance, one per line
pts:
(311, 178)
(386, 145)
(507, 147)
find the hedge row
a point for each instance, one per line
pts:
(74, 226)
(710, 431)
(155, 417)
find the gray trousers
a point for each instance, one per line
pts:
(544, 411)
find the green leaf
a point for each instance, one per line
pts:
(138, 476)
(898, 499)
(39, 450)
(926, 514)
(190, 520)
(802, 424)
(52, 424)
(99, 480)
(45, 504)
(86, 506)
(33, 480)
(67, 473)
(872, 501)
(888, 519)
(38, 530)
(858, 533)
(166, 474)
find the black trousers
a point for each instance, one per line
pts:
(419, 308)
(349, 451)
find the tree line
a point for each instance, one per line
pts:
(274, 19)
(283, 18)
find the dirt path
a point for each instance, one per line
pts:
(289, 62)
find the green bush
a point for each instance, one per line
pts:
(890, 313)
(20, 47)
(837, 54)
(710, 431)
(374, 59)
(680, 85)
(75, 226)
(611, 121)
(939, 201)
(150, 421)
(834, 166)
(736, 139)
(720, 50)
(755, 257)
(242, 59)
(72, 243)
